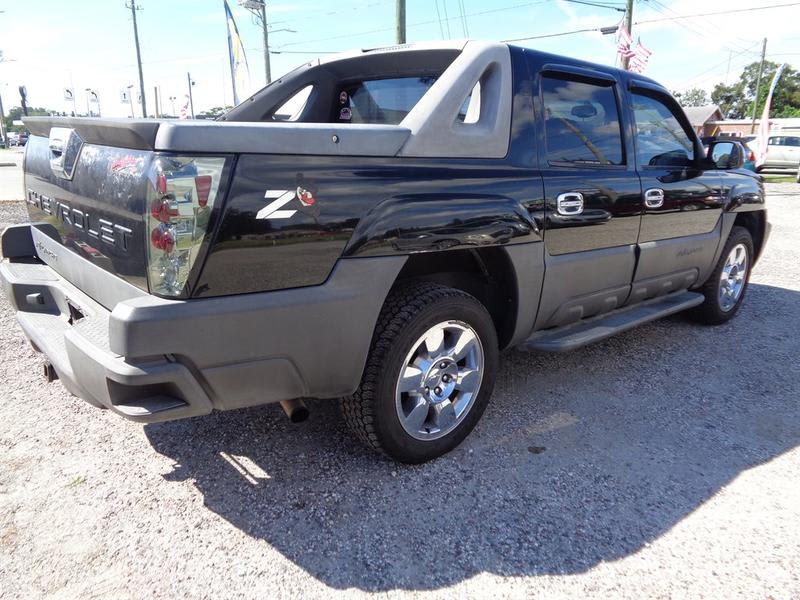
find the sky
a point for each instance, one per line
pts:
(49, 45)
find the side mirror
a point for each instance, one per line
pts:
(725, 155)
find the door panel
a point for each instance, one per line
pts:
(671, 265)
(585, 284)
(692, 202)
(682, 202)
(791, 151)
(590, 236)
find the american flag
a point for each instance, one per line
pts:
(624, 41)
(185, 109)
(641, 56)
(762, 137)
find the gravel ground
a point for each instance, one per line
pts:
(663, 463)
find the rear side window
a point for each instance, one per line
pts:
(581, 123)
(380, 101)
(660, 138)
(793, 141)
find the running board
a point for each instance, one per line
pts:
(594, 329)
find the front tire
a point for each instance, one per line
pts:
(429, 374)
(725, 289)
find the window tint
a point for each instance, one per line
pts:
(660, 138)
(581, 123)
(380, 101)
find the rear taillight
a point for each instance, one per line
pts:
(180, 199)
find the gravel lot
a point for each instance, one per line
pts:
(663, 463)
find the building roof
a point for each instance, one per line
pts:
(700, 115)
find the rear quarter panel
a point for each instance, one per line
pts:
(361, 207)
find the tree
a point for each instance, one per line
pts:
(730, 99)
(736, 100)
(213, 113)
(15, 114)
(692, 97)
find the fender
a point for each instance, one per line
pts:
(433, 222)
(743, 194)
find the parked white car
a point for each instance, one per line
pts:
(783, 152)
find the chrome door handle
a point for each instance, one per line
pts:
(569, 204)
(654, 198)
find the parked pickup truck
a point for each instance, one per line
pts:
(375, 228)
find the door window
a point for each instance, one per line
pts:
(775, 141)
(581, 123)
(793, 141)
(660, 137)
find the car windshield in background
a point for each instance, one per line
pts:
(381, 101)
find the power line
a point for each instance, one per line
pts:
(446, 18)
(439, 16)
(722, 12)
(658, 6)
(617, 8)
(420, 23)
(549, 35)
(463, 11)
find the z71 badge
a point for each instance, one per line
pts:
(280, 198)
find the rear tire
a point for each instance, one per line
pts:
(429, 374)
(726, 286)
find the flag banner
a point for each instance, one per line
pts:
(640, 58)
(762, 137)
(185, 109)
(240, 73)
(624, 41)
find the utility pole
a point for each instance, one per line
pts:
(191, 99)
(3, 136)
(400, 17)
(267, 67)
(258, 8)
(629, 26)
(758, 84)
(133, 8)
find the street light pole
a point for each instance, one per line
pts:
(130, 100)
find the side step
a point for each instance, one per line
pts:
(569, 337)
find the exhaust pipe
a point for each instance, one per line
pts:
(50, 374)
(296, 410)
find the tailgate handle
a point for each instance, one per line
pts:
(57, 146)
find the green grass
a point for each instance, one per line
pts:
(779, 178)
(76, 481)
